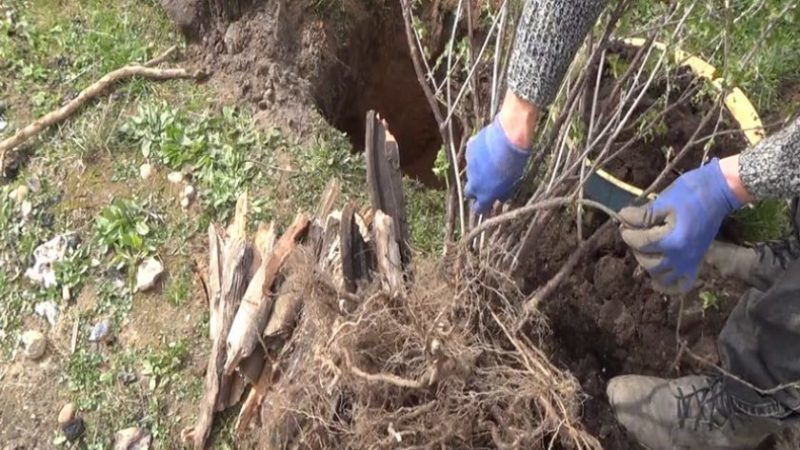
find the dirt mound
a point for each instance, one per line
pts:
(290, 58)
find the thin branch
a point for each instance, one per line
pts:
(91, 92)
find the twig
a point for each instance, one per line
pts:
(162, 57)
(544, 204)
(437, 114)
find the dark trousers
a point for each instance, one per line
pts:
(760, 344)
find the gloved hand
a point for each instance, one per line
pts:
(494, 166)
(670, 235)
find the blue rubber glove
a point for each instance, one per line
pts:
(494, 166)
(670, 235)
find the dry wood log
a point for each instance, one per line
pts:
(214, 266)
(245, 316)
(99, 87)
(239, 277)
(238, 386)
(284, 314)
(254, 399)
(388, 254)
(235, 264)
(317, 228)
(244, 337)
(251, 367)
(329, 198)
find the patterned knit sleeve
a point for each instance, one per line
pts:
(771, 169)
(548, 36)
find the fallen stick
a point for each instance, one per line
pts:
(91, 92)
(258, 301)
(236, 262)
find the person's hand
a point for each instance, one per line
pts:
(494, 166)
(670, 235)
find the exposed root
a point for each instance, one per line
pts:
(443, 366)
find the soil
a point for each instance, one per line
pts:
(345, 60)
(606, 320)
(642, 162)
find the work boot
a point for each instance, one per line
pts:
(689, 413)
(758, 266)
(762, 265)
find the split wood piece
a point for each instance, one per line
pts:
(254, 399)
(257, 304)
(385, 180)
(358, 257)
(91, 92)
(284, 314)
(329, 198)
(346, 241)
(235, 263)
(238, 386)
(388, 254)
(215, 240)
(251, 367)
(329, 249)
(237, 232)
(264, 241)
(242, 322)
(324, 208)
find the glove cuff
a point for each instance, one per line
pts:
(505, 155)
(713, 169)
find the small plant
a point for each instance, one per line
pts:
(709, 300)
(123, 226)
(160, 367)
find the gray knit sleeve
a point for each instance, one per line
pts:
(548, 36)
(771, 169)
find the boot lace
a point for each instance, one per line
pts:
(707, 404)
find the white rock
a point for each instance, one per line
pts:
(25, 209)
(44, 257)
(34, 184)
(100, 332)
(47, 310)
(189, 192)
(35, 344)
(185, 203)
(132, 439)
(147, 275)
(66, 295)
(66, 414)
(175, 177)
(3, 124)
(145, 171)
(19, 194)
